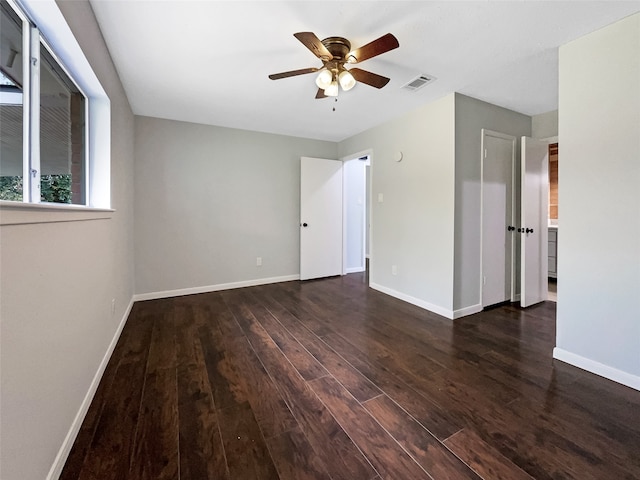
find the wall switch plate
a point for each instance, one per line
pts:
(394, 270)
(258, 261)
(113, 306)
(380, 198)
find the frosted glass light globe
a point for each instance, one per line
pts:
(324, 79)
(347, 82)
(332, 90)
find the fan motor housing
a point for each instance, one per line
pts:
(338, 47)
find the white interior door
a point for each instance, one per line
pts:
(320, 218)
(497, 217)
(534, 221)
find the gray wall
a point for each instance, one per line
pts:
(598, 324)
(209, 200)
(56, 287)
(437, 181)
(250, 183)
(470, 118)
(413, 227)
(545, 125)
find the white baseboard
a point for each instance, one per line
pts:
(414, 301)
(354, 270)
(619, 376)
(213, 288)
(463, 312)
(63, 453)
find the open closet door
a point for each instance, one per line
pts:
(320, 218)
(534, 221)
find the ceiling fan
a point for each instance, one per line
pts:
(335, 52)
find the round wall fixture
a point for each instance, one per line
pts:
(397, 156)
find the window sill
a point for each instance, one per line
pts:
(19, 213)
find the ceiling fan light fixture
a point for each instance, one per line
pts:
(332, 89)
(335, 53)
(324, 79)
(347, 82)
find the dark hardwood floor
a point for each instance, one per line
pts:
(329, 379)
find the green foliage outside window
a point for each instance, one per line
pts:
(53, 188)
(11, 188)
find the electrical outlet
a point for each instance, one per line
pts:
(394, 270)
(258, 261)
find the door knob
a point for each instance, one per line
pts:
(529, 230)
(520, 230)
(304, 224)
(511, 228)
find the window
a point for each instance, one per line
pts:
(42, 118)
(62, 137)
(11, 110)
(46, 154)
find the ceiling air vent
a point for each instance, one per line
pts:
(419, 82)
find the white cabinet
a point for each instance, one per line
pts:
(553, 252)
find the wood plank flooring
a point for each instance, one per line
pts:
(330, 380)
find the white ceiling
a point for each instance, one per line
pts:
(208, 61)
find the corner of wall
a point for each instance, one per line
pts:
(545, 125)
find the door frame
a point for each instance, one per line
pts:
(492, 133)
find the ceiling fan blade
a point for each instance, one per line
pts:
(320, 94)
(369, 78)
(314, 44)
(377, 47)
(292, 73)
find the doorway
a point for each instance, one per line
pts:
(356, 212)
(334, 215)
(553, 223)
(539, 220)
